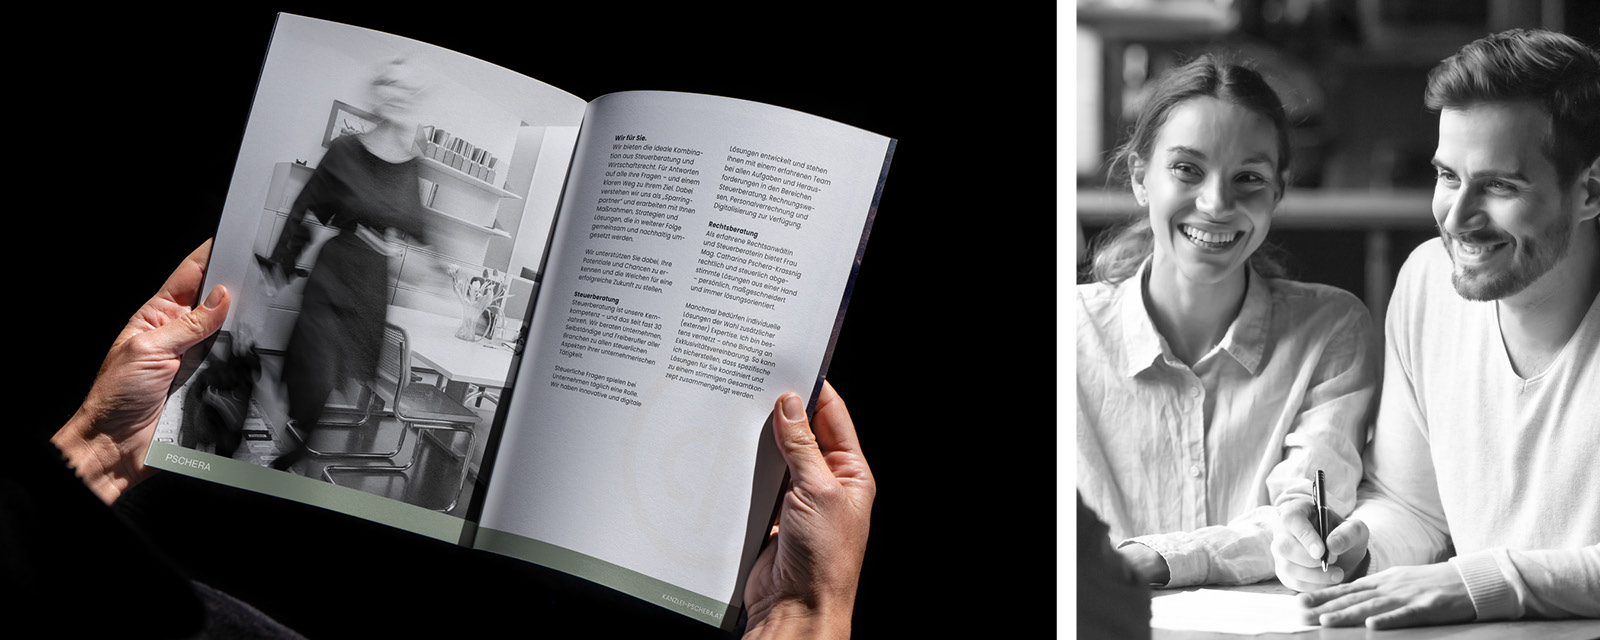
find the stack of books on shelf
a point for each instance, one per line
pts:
(457, 153)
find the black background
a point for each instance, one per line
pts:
(946, 358)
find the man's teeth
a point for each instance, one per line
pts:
(1209, 237)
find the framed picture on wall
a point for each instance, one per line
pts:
(345, 120)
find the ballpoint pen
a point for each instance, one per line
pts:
(1321, 497)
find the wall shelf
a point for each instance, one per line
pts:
(470, 225)
(439, 172)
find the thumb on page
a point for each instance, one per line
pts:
(796, 440)
(189, 329)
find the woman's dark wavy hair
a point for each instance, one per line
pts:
(1118, 252)
(1557, 71)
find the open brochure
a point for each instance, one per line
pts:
(475, 307)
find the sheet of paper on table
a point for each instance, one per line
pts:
(1221, 611)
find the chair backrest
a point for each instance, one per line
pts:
(394, 364)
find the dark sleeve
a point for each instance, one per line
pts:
(412, 220)
(1112, 603)
(73, 565)
(319, 197)
(294, 238)
(408, 216)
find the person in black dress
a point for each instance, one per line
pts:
(365, 186)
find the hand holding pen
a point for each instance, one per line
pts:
(1313, 546)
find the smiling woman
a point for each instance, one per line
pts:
(1206, 88)
(1210, 182)
(1210, 389)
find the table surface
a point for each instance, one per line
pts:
(1529, 629)
(434, 345)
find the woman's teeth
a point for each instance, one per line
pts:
(1210, 239)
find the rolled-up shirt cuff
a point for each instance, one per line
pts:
(1492, 595)
(1185, 566)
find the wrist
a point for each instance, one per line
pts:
(1361, 568)
(90, 455)
(797, 619)
(73, 440)
(1148, 565)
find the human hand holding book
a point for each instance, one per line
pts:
(691, 258)
(804, 582)
(106, 439)
(802, 585)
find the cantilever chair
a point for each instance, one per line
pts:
(416, 406)
(369, 405)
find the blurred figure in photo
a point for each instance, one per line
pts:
(366, 187)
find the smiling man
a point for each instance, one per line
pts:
(1479, 499)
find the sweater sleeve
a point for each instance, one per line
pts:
(1506, 584)
(1399, 495)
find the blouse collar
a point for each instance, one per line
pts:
(1245, 340)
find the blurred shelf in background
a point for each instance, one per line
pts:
(1351, 74)
(1159, 19)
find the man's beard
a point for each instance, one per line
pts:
(1534, 256)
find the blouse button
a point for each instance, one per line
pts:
(1194, 470)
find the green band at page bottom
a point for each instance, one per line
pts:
(237, 473)
(673, 598)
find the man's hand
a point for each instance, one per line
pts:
(1146, 563)
(1297, 549)
(106, 440)
(1398, 597)
(804, 583)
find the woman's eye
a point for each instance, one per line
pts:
(1251, 181)
(1446, 176)
(1186, 172)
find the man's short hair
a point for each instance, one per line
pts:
(1554, 70)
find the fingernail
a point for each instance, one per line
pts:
(214, 299)
(1336, 573)
(793, 410)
